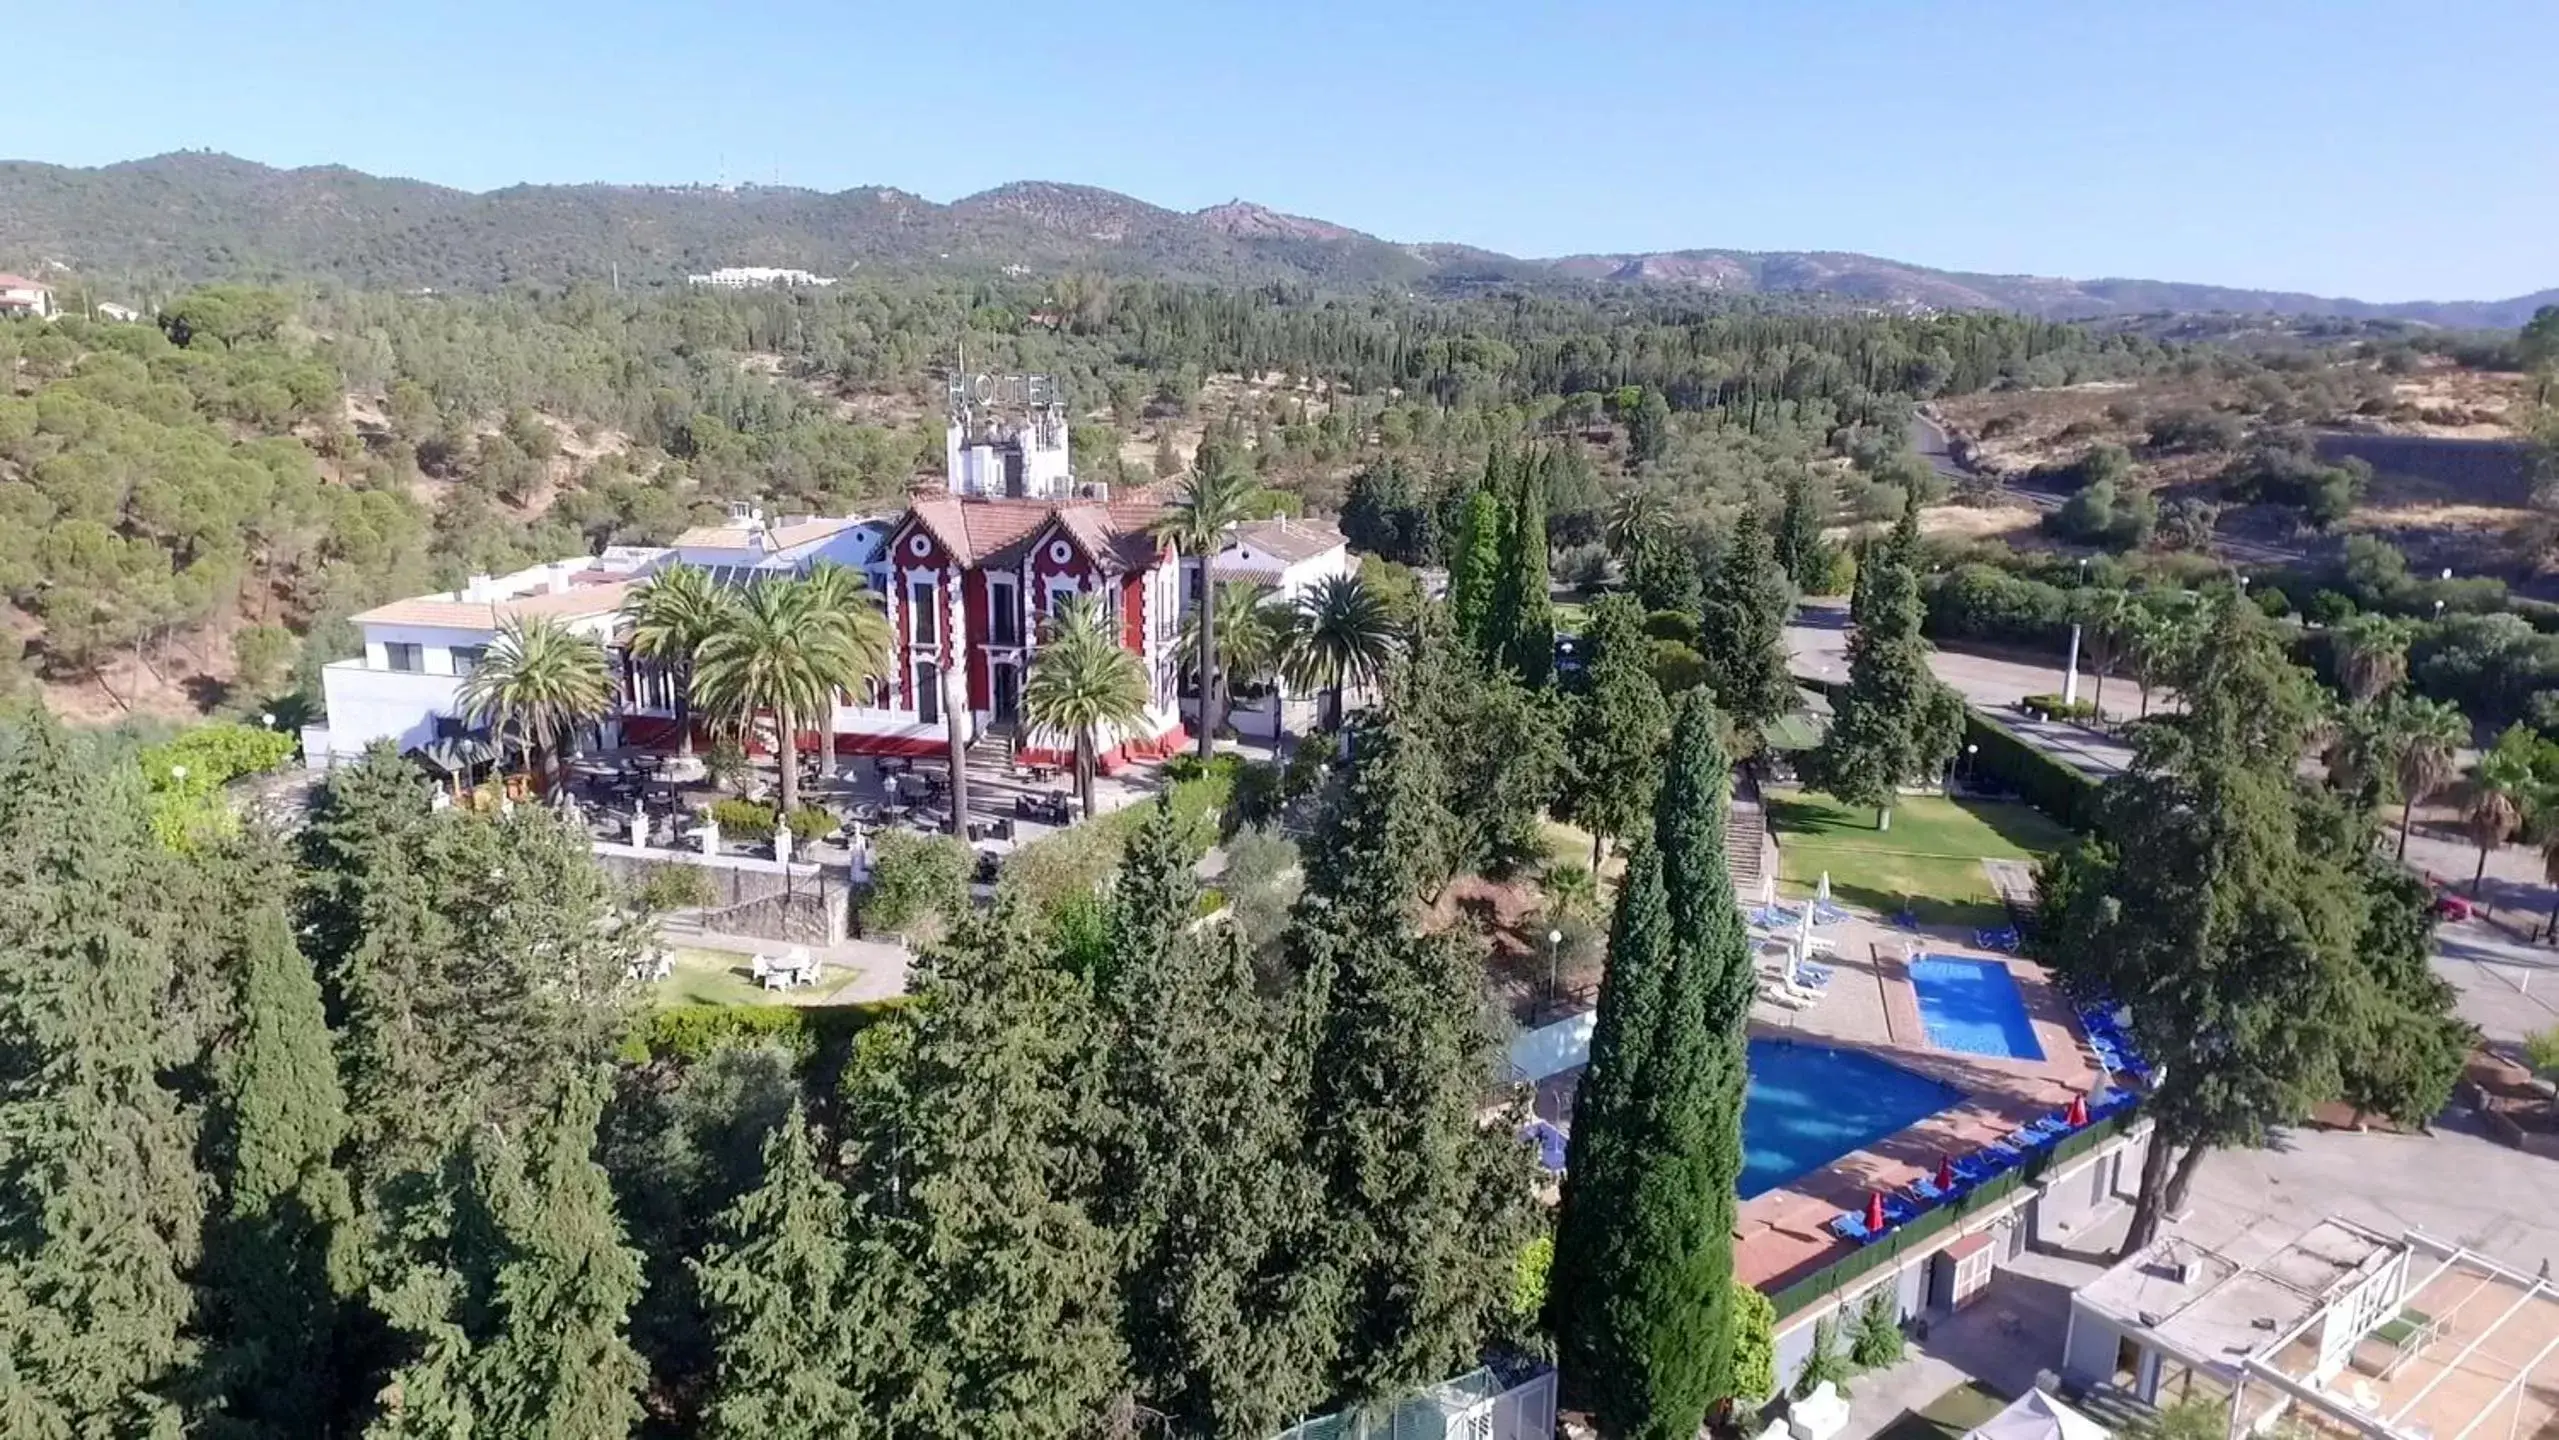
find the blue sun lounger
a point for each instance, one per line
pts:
(1851, 1226)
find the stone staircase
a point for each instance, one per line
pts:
(1748, 850)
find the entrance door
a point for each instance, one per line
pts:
(1008, 693)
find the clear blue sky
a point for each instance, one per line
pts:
(2385, 150)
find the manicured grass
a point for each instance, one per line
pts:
(1930, 861)
(713, 977)
(1948, 1417)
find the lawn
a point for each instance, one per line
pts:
(1930, 860)
(715, 977)
(1948, 1417)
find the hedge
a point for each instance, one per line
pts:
(2056, 787)
(691, 1033)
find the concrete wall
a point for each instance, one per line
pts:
(2088, 1352)
(369, 704)
(2092, 1189)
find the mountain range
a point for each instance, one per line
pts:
(195, 216)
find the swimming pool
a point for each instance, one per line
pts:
(1973, 1006)
(1808, 1105)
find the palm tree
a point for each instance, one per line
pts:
(672, 613)
(773, 652)
(2543, 831)
(840, 593)
(1633, 518)
(1249, 637)
(1208, 504)
(2372, 653)
(2501, 785)
(540, 682)
(2427, 736)
(1344, 635)
(1083, 682)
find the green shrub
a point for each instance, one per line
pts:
(1754, 1347)
(2053, 707)
(1826, 1363)
(2329, 607)
(1528, 1281)
(186, 773)
(809, 823)
(1878, 1339)
(2541, 1051)
(743, 819)
(916, 879)
(1839, 575)
(692, 1033)
(672, 887)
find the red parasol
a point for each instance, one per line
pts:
(1945, 1172)
(1874, 1212)
(2077, 1115)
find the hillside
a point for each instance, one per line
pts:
(191, 216)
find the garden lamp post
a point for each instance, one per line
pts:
(1554, 950)
(2070, 668)
(955, 699)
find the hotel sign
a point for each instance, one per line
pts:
(983, 390)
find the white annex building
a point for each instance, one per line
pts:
(2339, 1329)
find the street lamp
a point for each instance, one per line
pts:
(1554, 949)
(2070, 668)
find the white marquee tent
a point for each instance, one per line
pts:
(2038, 1416)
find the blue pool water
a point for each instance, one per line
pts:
(1808, 1105)
(1973, 1006)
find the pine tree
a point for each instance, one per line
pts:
(1895, 719)
(277, 1270)
(1426, 1204)
(1201, 1175)
(519, 1325)
(979, 1201)
(99, 1184)
(1520, 623)
(1618, 728)
(1663, 574)
(1643, 1294)
(2216, 908)
(1744, 631)
(1800, 547)
(775, 1284)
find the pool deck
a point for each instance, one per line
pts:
(1782, 1234)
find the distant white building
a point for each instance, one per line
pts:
(1285, 556)
(757, 277)
(121, 314)
(22, 296)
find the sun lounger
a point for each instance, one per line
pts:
(1778, 993)
(1977, 1167)
(1927, 1191)
(1851, 1227)
(1899, 1210)
(1815, 976)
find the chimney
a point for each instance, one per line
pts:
(556, 581)
(480, 589)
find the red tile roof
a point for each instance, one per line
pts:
(991, 532)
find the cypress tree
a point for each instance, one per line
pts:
(277, 1262)
(1426, 1205)
(774, 1280)
(99, 1184)
(1895, 718)
(1474, 569)
(1618, 726)
(1202, 1180)
(1800, 548)
(1642, 1295)
(1743, 633)
(1520, 630)
(980, 1201)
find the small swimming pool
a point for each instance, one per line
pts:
(1808, 1105)
(1972, 1006)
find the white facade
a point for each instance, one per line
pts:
(22, 296)
(1288, 557)
(756, 277)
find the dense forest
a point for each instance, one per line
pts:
(190, 503)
